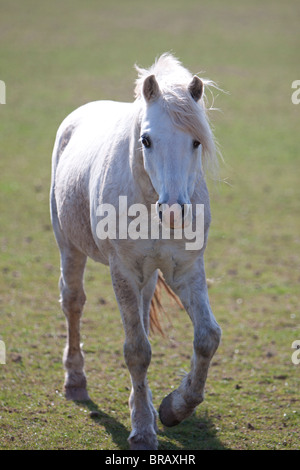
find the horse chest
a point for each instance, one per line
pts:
(146, 257)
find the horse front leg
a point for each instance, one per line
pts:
(181, 403)
(137, 355)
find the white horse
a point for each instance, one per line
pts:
(150, 151)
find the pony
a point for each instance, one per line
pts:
(155, 151)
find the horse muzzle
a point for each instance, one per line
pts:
(174, 216)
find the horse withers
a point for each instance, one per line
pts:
(151, 154)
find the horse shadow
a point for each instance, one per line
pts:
(195, 433)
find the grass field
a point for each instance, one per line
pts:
(55, 56)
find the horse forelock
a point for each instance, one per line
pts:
(185, 113)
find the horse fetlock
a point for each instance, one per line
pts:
(153, 411)
(75, 379)
(73, 361)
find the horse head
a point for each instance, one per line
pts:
(173, 133)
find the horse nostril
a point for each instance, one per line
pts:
(160, 213)
(159, 210)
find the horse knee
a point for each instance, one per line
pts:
(72, 300)
(207, 340)
(137, 354)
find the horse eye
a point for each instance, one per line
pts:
(196, 144)
(146, 141)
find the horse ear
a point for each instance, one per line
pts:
(196, 88)
(151, 89)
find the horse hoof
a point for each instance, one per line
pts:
(141, 446)
(174, 409)
(76, 394)
(166, 414)
(143, 443)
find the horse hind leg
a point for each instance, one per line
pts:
(72, 302)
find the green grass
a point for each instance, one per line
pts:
(56, 56)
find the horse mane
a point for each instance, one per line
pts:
(184, 111)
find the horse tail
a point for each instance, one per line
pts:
(156, 308)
